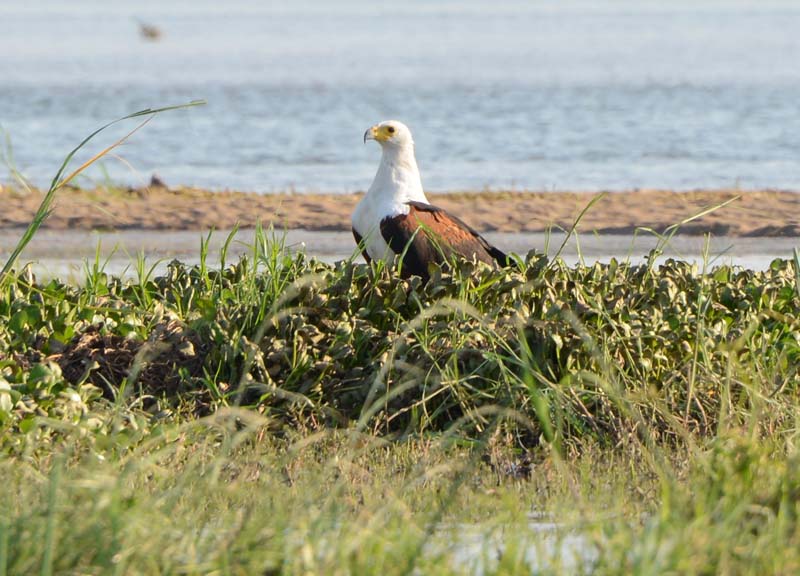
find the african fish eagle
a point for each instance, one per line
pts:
(395, 218)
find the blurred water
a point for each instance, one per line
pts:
(544, 95)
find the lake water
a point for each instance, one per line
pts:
(66, 254)
(543, 95)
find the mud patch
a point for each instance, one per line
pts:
(162, 366)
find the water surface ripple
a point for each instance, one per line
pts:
(567, 95)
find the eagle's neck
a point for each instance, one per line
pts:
(397, 181)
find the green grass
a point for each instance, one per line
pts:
(295, 416)
(600, 352)
(279, 415)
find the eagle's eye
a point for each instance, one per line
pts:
(390, 129)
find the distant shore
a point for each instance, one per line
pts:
(762, 213)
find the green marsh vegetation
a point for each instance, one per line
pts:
(276, 414)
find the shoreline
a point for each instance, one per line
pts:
(66, 253)
(749, 213)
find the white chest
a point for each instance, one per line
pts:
(366, 221)
(396, 183)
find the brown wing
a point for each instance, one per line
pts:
(361, 245)
(430, 234)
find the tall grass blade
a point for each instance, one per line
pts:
(45, 207)
(50, 526)
(4, 529)
(8, 160)
(666, 236)
(577, 221)
(796, 258)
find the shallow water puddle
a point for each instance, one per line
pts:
(543, 545)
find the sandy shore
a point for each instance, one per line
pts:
(761, 213)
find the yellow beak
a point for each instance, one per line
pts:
(370, 134)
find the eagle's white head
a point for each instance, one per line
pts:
(390, 133)
(397, 180)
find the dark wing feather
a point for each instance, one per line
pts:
(430, 234)
(361, 246)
